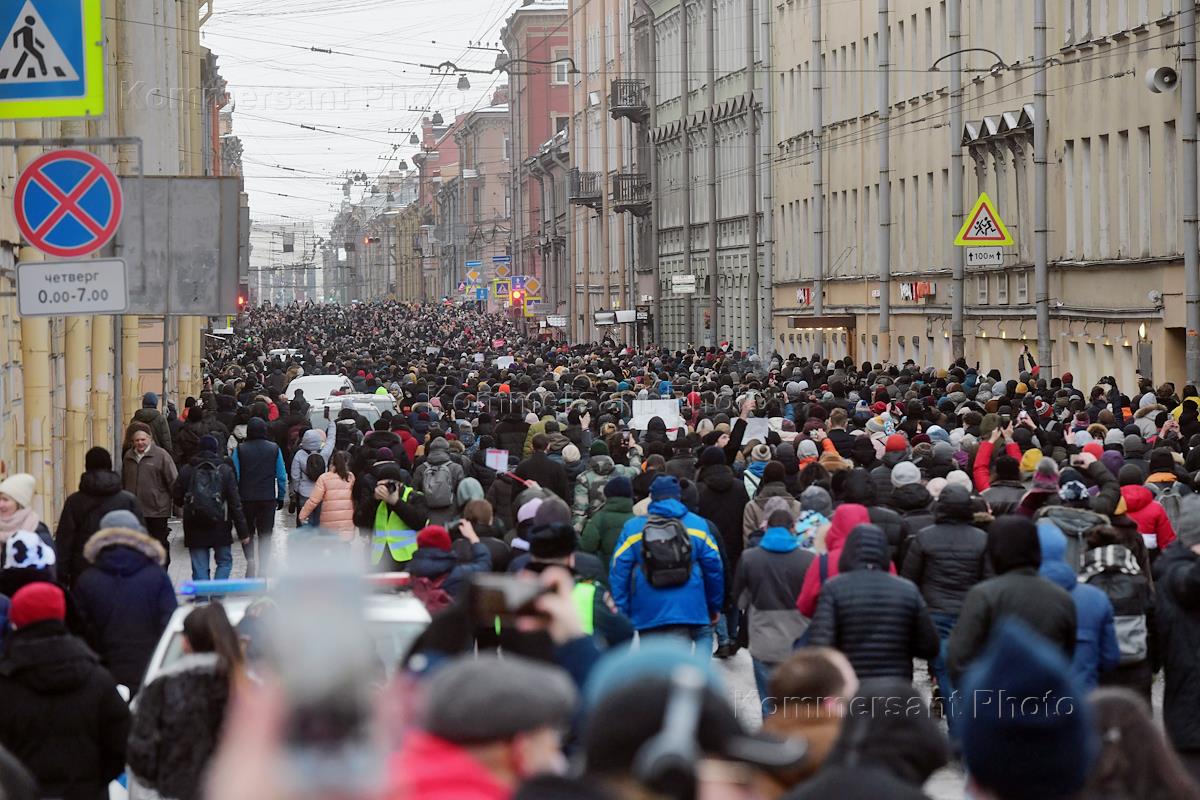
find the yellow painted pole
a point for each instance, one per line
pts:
(103, 370)
(131, 388)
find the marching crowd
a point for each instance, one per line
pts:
(1031, 544)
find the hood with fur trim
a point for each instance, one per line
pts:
(124, 537)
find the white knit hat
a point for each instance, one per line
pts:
(19, 487)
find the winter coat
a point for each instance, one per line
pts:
(548, 474)
(914, 503)
(878, 621)
(1003, 497)
(187, 444)
(603, 530)
(258, 463)
(437, 457)
(99, 493)
(845, 518)
(752, 514)
(510, 435)
(310, 442)
(1150, 516)
(177, 725)
(429, 766)
(150, 479)
(335, 496)
(589, 487)
(434, 564)
(1144, 419)
(946, 560)
(723, 502)
(127, 599)
(203, 533)
(502, 494)
(62, 716)
(682, 465)
(881, 476)
(694, 603)
(159, 428)
(859, 488)
(1177, 621)
(1021, 593)
(1096, 648)
(766, 583)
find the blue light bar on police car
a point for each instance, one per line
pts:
(215, 588)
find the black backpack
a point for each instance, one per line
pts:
(205, 499)
(666, 552)
(314, 467)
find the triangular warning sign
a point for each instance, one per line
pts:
(31, 54)
(983, 226)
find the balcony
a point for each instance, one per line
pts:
(631, 192)
(586, 189)
(629, 98)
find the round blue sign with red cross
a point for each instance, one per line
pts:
(68, 203)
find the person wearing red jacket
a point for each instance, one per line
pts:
(982, 471)
(845, 519)
(1152, 521)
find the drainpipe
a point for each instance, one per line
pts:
(958, 343)
(768, 204)
(752, 191)
(1191, 203)
(714, 283)
(652, 158)
(817, 63)
(685, 110)
(885, 191)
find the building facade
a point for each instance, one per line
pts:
(1114, 150)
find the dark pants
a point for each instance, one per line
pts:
(160, 529)
(260, 524)
(1191, 762)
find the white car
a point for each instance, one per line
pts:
(283, 352)
(316, 412)
(318, 387)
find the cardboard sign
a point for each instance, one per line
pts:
(496, 459)
(504, 362)
(644, 410)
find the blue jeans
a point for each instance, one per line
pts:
(700, 635)
(945, 624)
(200, 562)
(762, 677)
(727, 627)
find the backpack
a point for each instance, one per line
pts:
(1171, 499)
(666, 552)
(314, 467)
(1074, 524)
(1129, 594)
(432, 594)
(346, 436)
(437, 484)
(205, 499)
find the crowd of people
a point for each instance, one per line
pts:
(1031, 545)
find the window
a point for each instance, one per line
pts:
(476, 210)
(507, 149)
(1002, 288)
(1087, 228)
(1102, 199)
(1144, 194)
(1170, 214)
(562, 69)
(1123, 193)
(1022, 288)
(981, 287)
(561, 124)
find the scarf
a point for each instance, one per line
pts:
(25, 519)
(1110, 558)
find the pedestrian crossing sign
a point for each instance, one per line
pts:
(51, 59)
(983, 226)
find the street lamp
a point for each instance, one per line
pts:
(997, 67)
(413, 140)
(503, 64)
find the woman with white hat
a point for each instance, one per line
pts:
(16, 512)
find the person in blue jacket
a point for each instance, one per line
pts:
(1096, 648)
(688, 610)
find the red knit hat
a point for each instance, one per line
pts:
(1095, 448)
(895, 444)
(37, 602)
(434, 536)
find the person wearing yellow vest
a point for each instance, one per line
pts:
(399, 514)
(553, 545)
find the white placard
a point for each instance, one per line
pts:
(50, 288)
(644, 410)
(496, 459)
(756, 428)
(504, 362)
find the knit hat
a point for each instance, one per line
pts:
(20, 488)
(1037, 718)
(529, 510)
(1030, 459)
(806, 449)
(895, 443)
(711, 456)
(1131, 475)
(26, 550)
(435, 536)
(1046, 475)
(1134, 446)
(570, 454)
(905, 473)
(97, 458)
(774, 473)
(207, 444)
(937, 433)
(760, 452)
(598, 448)
(37, 602)
(1162, 460)
(960, 478)
(665, 487)
(556, 540)
(935, 487)
(1073, 492)
(121, 519)
(618, 486)
(816, 498)
(1114, 437)
(149, 400)
(1094, 448)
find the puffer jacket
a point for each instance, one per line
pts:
(1003, 497)
(438, 456)
(1153, 523)
(177, 725)
(1177, 621)
(510, 435)
(335, 495)
(914, 503)
(946, 559)
(878, 621)
(311, 443)
(1144, 419)
(881, 476)
(100, 491)
(723, 502)
(752, 515)
(453, 568)
(859, 488)
(1096, 648)
(602, 531)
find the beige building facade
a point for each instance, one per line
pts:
(1114, 199)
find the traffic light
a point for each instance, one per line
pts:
(241, 301)
(517, 296)
(370, 240)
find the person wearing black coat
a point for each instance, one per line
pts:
(547, 473)
(446, 564)
(1006, 490)
(880, 755)
(1177, 621)
(198, 425)
(126, 597)
(859, 488)
(100, 491)
(1017, 590)
(723, 500)
(510, 434)
(201, 536)
(62, 716)
(878, 621)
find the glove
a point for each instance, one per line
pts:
(279, 505)
(292, 505)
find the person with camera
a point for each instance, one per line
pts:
(400, 512)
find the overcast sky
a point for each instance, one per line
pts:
(357, 97)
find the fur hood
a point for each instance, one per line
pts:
(142, 543)
(1148, 410)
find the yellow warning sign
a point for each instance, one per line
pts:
(983, 226)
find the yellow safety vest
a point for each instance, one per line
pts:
(392, 533)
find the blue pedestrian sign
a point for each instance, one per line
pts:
(518, 281)
(51, 59)
(481, 293)
(68, 203)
